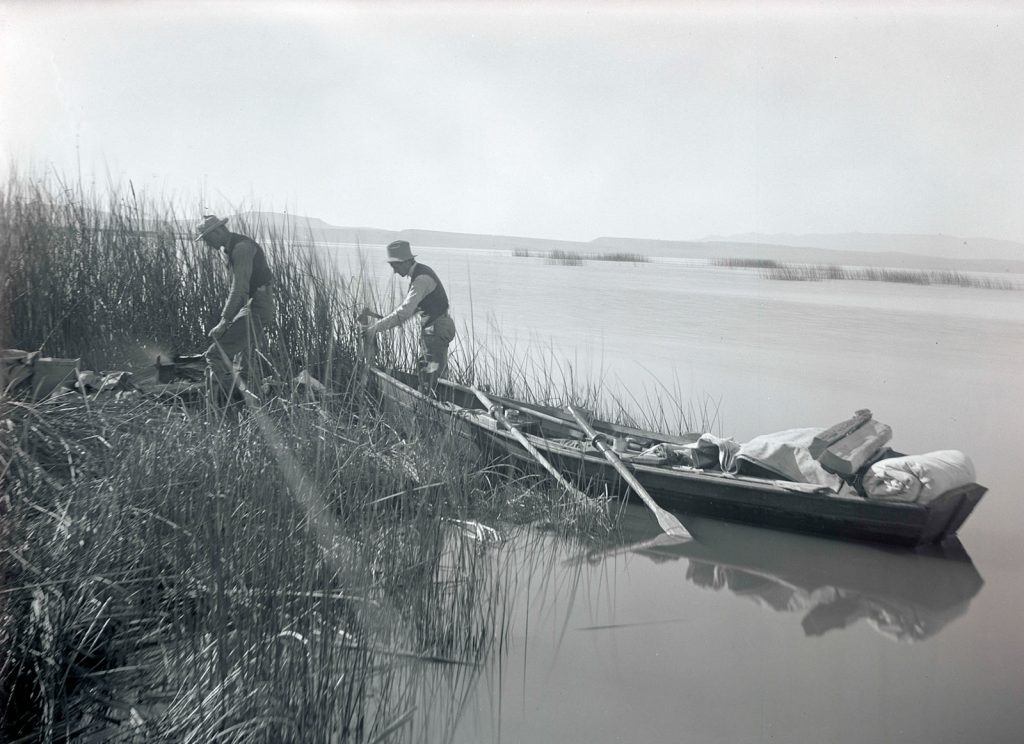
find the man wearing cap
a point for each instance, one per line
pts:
(248, 311)
(427, 299)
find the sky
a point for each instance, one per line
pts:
(670, 120)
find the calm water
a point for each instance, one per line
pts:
(751, 635)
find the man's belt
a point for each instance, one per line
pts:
(431, 321)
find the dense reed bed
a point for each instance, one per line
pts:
(303, 573)
(276, 575)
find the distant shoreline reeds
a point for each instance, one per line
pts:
(575, 258)
(776, 270)
(745, 263)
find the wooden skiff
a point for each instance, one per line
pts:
(761, 501)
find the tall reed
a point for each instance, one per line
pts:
(542, 374)
(195, 577)
(297, 575)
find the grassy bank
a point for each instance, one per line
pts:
(194, 577)
(304, 573)
(772, 269)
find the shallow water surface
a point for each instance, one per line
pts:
(742, 635)
(749, 635)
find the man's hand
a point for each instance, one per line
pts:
(365, 316)
(370, 342)
(218, 330)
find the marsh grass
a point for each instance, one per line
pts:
(305, 572)
(302, 573)
(185, 576)
(117, 279)
(542, 374)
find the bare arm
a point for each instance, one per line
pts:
(420, 287)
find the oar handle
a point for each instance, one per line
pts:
(668, 523)
(499, 415)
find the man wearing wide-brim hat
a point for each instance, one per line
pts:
(247, 313)
(428, 300)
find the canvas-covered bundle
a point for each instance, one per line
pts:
(918, 478)
(787, 454)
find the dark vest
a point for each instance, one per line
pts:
(435, 304)
(261, 275)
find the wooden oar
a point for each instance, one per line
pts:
(527, 444)
(666, 521)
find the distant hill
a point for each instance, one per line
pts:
(935, 252)
(489, 242)
(312, 228)
(323, 232)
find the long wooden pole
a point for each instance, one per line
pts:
(528, 410)
(499, 415)
(666, 521)
(369, 353)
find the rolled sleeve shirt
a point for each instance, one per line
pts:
(419, 288)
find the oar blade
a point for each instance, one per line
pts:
(666, 521)
(673, 526)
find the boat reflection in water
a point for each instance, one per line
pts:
(907, 595)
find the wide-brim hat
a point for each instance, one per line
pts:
(398, 251)
(210, 223)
